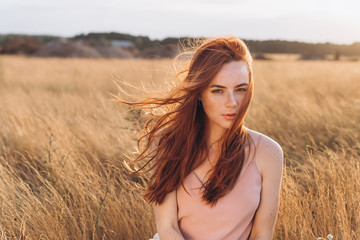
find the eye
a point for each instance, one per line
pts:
(217, 91)
(241, 90)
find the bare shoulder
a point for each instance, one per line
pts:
(269, 154)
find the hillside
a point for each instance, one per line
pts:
(120, 45)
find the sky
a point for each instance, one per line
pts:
(306, 20)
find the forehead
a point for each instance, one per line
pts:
(232, 74)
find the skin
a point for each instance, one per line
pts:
(223, 96)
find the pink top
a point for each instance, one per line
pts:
(231, 218)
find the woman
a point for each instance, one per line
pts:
(212, 178)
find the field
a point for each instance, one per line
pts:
(62, 143)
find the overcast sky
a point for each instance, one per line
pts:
(306, 20)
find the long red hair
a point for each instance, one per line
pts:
(179, 136)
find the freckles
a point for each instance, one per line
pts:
(214, 105)
(239, 99)
(210, 101)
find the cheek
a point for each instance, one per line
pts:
(211, 105)
(239, 98)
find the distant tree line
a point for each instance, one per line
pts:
(140, 42)
(23, 44)
(30, 44)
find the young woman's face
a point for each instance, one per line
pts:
(222, 99)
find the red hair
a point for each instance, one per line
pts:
(179, 134)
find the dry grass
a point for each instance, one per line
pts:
(62, 142)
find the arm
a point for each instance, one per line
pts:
(166, 218)
(270, 165)
(166, 214)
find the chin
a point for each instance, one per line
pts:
(226, 127)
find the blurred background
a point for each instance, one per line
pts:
(152, 29)
(63, 138)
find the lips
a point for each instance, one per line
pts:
(229, 116)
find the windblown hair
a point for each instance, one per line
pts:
(176, 141)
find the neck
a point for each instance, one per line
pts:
(215, 140)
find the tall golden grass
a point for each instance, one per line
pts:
(62, 141)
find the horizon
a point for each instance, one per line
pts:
(159, 39)
(307, 21)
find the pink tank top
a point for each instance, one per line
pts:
(231, 218)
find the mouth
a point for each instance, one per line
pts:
(229, 116)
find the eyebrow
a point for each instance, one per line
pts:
(219, 86)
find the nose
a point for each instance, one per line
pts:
(231, 100)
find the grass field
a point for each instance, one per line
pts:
(62, 141)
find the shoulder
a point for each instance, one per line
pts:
(269, 154)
